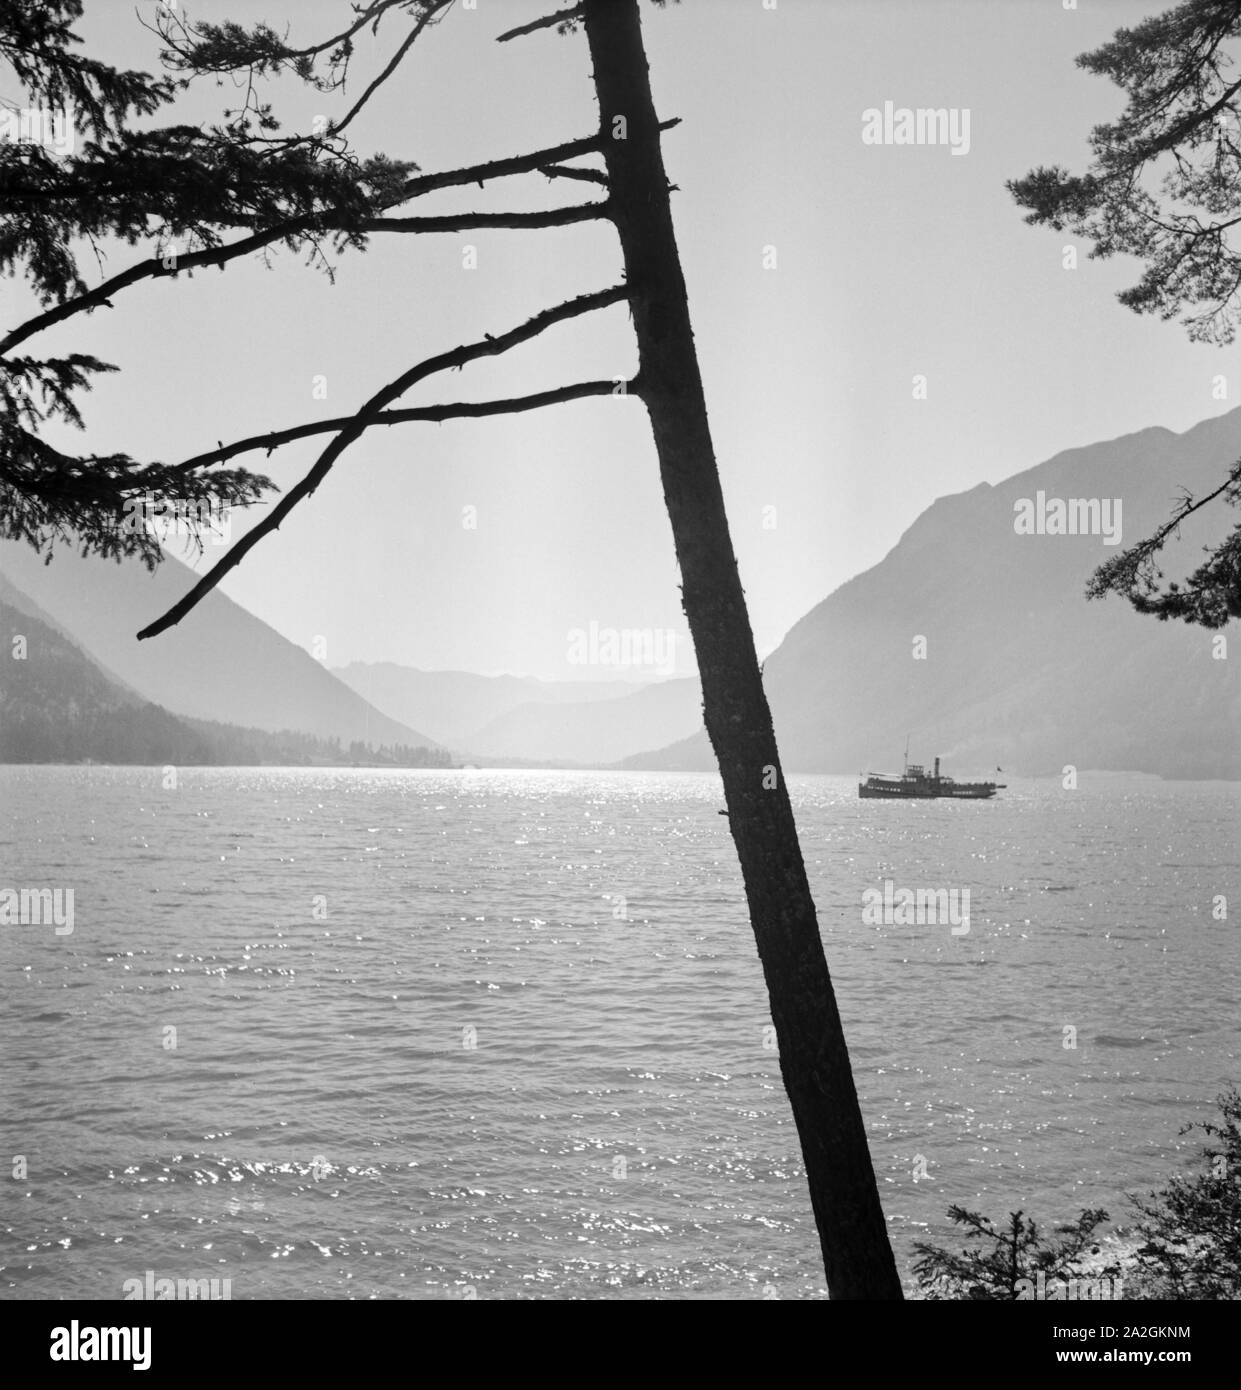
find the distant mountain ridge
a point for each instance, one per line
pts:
(593, 733)
(221, 663)
(1020, 671)
(519, 718)
(452, 705)
(56, 705)
(59, 706)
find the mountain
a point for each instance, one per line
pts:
(602, 731)
(452, 705)
(520, 719)
(58, 706)
(1020, 671)
(221, 663)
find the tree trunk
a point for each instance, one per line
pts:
(814, 1060)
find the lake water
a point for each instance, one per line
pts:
(501, 1034)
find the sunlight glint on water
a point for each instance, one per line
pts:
(323, 1129)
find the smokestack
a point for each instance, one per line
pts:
(937, 769)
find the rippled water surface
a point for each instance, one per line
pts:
(502, 1033)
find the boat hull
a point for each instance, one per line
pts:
(963, 791)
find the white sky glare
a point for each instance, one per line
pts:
(892, 261)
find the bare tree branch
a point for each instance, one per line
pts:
(451, 410)
(517, 164)
(559, 171)
(359, 423)
(547, 22)
(101, 296)
(471, 221)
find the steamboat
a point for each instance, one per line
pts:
(916, 782)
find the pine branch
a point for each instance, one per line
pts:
(429, 16)
(547, 22)
(1189, 506)
(1135, 561)
(186, 51)
(220, 255)
(357, 426)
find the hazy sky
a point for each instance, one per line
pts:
(891, 261)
